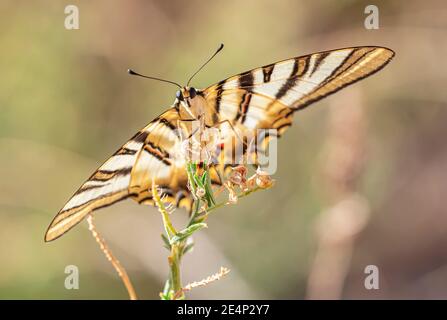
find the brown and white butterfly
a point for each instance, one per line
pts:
(262, 98)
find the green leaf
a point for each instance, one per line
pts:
(191, 170)
(188, 248)
(198, 181)
(165, 239)
(204, 177)
(208, 190)
(185, 233)
(165, 294)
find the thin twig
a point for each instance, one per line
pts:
(224, 203)
(114, 261)
(217, 276)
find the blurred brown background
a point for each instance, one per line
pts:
(362, 176)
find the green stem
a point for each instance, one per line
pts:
(173, 289)
(190, 171)
(195, 213)
(169, 228)
(175, 277)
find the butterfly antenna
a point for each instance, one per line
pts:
(203, 65)
(130, 71)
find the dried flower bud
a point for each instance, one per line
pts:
(238, 176)
(251, 182)
(242, 170)
(263, 179)
(200, 192)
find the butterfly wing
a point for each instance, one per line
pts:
(267, 97)
(258, 97)
(129, 172)
(161, 160)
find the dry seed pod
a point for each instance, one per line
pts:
(251, 182)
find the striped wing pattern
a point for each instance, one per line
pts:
(129, 173)
(262, 98)
(267, 97)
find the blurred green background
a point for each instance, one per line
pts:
(66, 104)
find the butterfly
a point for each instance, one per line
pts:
(261, 98)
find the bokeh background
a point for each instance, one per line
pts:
(362, 176)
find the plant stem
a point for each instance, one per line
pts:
(176, 241)
(175, 276)
(169, 228)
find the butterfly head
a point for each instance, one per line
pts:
(186, 94)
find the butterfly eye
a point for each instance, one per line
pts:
(192, 93)
(179, 95)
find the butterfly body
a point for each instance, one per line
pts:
(262, 98)
(192, 106)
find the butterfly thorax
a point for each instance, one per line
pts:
(191, 106)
